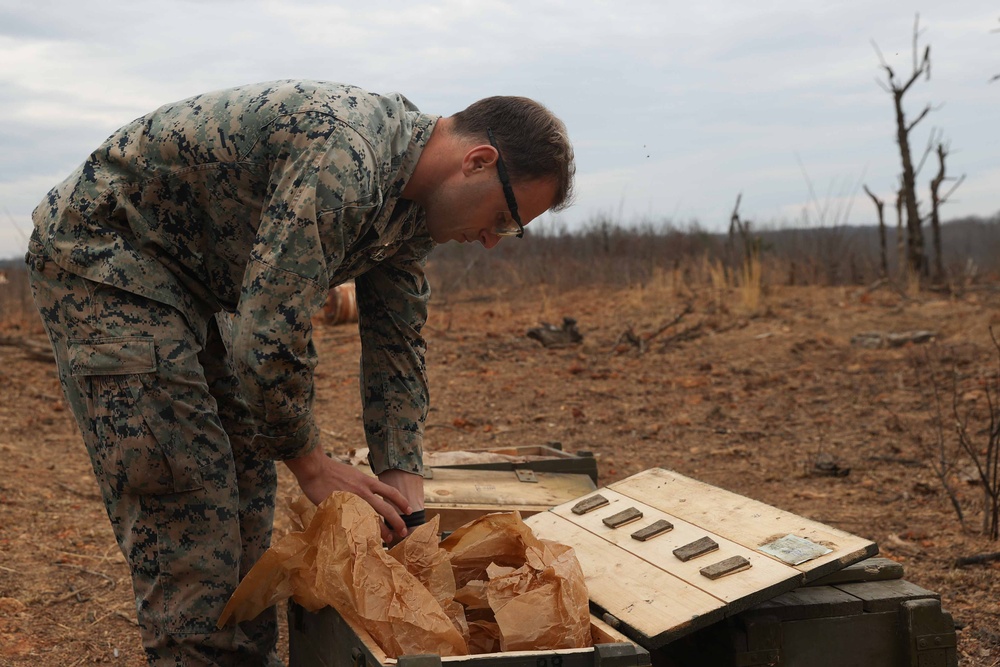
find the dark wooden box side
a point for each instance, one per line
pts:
(325, 639)
(890, 623)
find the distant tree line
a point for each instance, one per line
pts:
(606, 253)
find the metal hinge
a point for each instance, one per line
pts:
(525, 475)
(763, 642)
(752, 658)
(421, 660)
(936, 642)
(620, 655)
(930, 634)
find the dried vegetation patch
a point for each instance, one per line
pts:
(768, 398)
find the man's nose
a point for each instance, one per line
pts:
(488, 240)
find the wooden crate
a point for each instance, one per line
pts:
(777, 611)
(864, 615)
(327, 639)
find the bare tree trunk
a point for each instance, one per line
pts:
(914, 235)
(880, 207)
(935, 218)
(900, 234)
(915, 257)
(936, 202)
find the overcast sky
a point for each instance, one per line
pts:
(674, 108)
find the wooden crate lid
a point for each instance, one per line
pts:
(459, 495)
(653, 595)
(503, 489)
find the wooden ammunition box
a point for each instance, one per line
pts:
(695, 576)
(865, 616)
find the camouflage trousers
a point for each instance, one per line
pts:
(169, 438)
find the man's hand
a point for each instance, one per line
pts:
(411, 485)
(319, 476)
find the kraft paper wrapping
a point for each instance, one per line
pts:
(535, 588)
(493, 539)
(517, 592)
(544, 604)
(338, 560)
(422, 556)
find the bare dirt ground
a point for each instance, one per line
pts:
(750, 402)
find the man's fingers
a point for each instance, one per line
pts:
(388, 505)
(391, 516)
(394, 496)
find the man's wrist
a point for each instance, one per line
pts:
(307, 465)
(415, 518)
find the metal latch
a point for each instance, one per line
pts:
(620, 655)
(763, 642)
(525, 475)
(936, 642)
(753, 658)
(419, 660)
(930, 634)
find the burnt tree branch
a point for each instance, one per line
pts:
(880, 208)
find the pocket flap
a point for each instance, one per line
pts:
(112, 356)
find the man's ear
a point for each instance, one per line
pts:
(479, 158)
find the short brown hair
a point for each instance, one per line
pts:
(533, 142)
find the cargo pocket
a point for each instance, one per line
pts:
(136, 447)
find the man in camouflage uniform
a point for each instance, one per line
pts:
(255, 201)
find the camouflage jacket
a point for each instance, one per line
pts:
(256, 200)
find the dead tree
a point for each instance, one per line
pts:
(900, 233)
(880, 207)
(915, 256)
(751, 245)
(936, 202)
(985, 455)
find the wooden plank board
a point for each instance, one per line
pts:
(878, 596)
(745, 521)
(700, 547)
(766, 577)
(806, 603)
(456, 488)
(654, 529)
(871, 569)
(724, 568)
(654, 606)
(589, 504)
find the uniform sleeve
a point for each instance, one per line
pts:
(322, 171)
(392, 309)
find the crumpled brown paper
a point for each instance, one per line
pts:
(535, 588)
(501, 539)
(517, 592)
(422, 556)
(338, 560)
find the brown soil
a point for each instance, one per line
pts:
(750, 402)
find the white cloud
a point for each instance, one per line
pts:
(722, 96)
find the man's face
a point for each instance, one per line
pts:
(470, 206)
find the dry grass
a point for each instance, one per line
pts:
(17, 310)
(751, 284)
